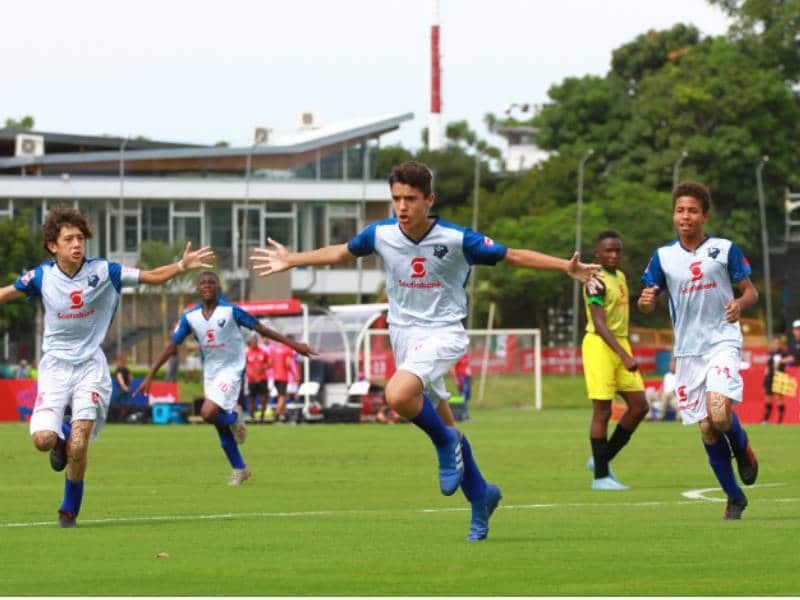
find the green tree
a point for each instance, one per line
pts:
(153, 254)
(21, 250)
(25, 122)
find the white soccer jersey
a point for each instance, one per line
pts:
(699, 287)
(425, 279)
(77, 310)
(222, 346)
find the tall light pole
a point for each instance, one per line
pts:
(475, 207)
(575, 285)
(676, 168)
(245, 224)
(121, 237)
(765, 246)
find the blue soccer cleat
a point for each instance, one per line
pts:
(608, 484)
(590, 467)
(481, 512)
(451, 463)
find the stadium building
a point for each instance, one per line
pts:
(310, 188)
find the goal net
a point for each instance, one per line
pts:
(505, 365)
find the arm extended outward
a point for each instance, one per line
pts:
(530, 259)
(144, 386)
(9, 293)
(277, 258)
(190, 261)
(299, 347)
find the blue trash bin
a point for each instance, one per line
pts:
(662, 361)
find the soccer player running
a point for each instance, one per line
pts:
(215, 325)
(80, 297)
(698, 271)
(608, 364)
(427, 262)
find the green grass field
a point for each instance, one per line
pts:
(355, 510)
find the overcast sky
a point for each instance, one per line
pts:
(205, 71)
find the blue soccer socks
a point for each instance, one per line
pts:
(473, 484)
(230, 447)
(719, 457)
(73, 497)
(225, 417)
(431, 423)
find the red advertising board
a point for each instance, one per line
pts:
(17, 397)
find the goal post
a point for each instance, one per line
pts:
(495, 356)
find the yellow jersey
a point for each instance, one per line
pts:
(609, 290)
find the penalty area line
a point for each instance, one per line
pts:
(699, 500)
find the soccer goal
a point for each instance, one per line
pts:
(505, 365)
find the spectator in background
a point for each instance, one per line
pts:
(173, 364)
(23, 371)
(795, 349)
(257, 361)
(665, 397)
(463, 373)
(282, 358)
(778, 358)
(121, 394)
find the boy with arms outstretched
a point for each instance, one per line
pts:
(80, 297)
(427, 262)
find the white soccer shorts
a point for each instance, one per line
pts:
(697, 375)
(429, 353)
(224, 389)
(86, 387)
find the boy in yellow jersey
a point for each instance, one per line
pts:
(608, 364)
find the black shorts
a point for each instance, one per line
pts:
(259, 388)
(280, 387)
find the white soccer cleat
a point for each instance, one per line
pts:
(608, 484)
(238, 428)
(239, 476)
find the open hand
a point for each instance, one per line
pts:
(270, 260)
(197, 259)
(581, 271)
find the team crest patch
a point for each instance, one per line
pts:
(487, 241)
(94, 280)
(26, 279)
(713, 252)
(439, 250)
(221, 322)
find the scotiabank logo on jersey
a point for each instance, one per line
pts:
(418, 272)
(211, 340)
(76, 304)
(696, 270)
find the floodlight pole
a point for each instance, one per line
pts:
(245, 223)
(765, 246)
(576, 286)
(121, 238)
(677, 167)
(475, 207)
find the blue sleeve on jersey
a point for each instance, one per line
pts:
(738, 267)
(181, 331)
(244, 318)
(653, 274)
(115, 274)
(30, 283)
(364, 243)
(482, 250)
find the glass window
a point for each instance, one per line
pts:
(155, 222)
(130, 233)
(280, 229)
(342, 222)
(331, 166)
(187, 229)
(188, 206)
(279, 208)
(220, 234)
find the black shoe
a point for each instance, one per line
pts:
(747, 464)
(735, 508)
(58, 455)
(66, 519)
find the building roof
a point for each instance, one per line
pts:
(283, 153)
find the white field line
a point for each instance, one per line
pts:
(696, 497)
